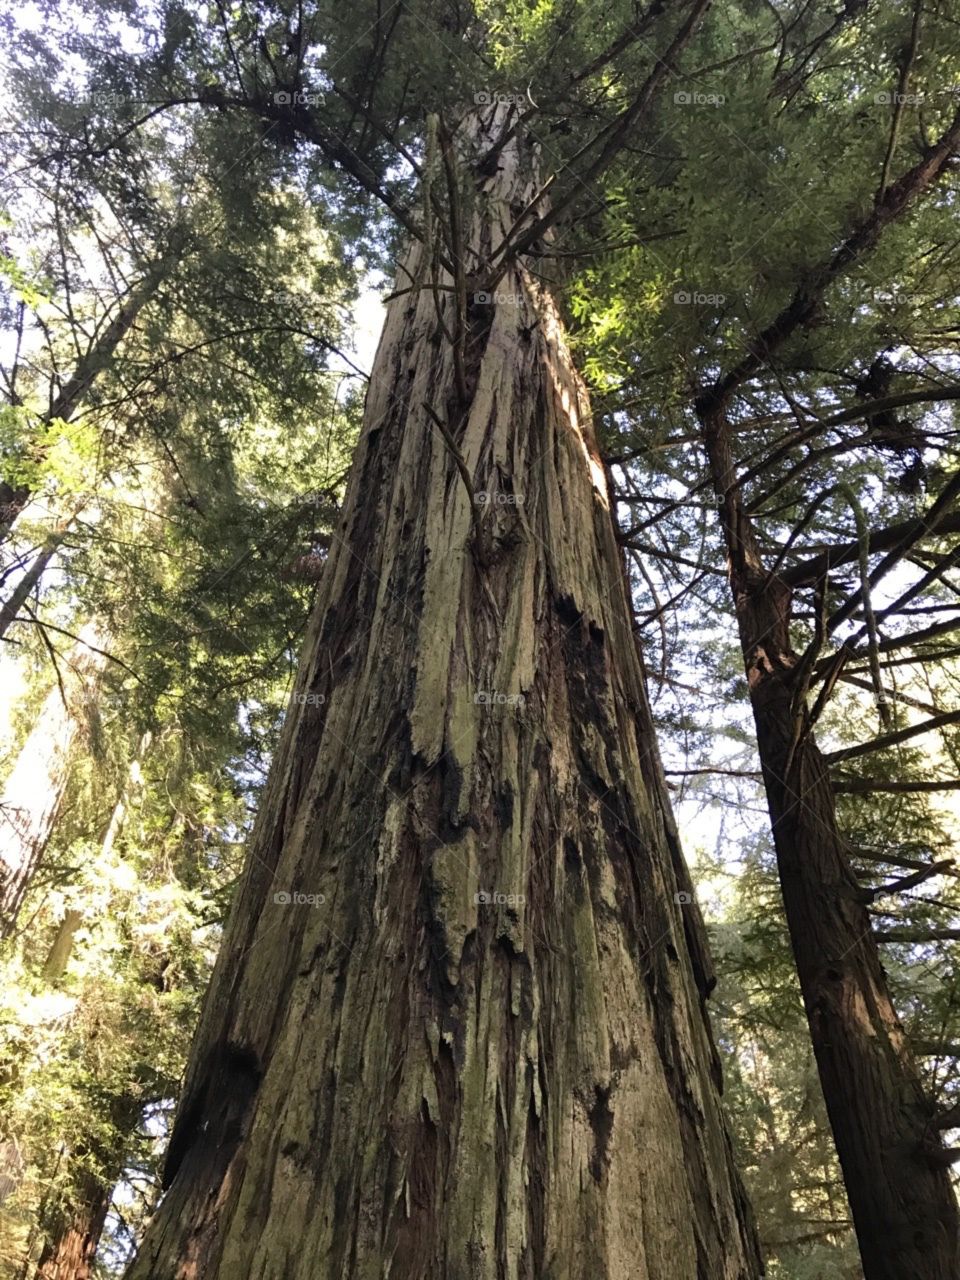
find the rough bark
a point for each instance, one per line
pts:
(35, 788)
(73, 1227)
(897, 1183)
(406, 1080)
(68, 1252)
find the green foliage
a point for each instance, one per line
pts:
(235, 163)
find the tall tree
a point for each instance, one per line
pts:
(785, 360)
(482, 966)
(35, 788)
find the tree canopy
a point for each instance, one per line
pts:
(747, 219)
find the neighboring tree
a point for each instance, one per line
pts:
(34, 789)
(74, 1226)
(785, 360)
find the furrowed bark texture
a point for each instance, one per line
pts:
(74, 1225)
(68, 1253)
(484, 1055)
(893, 1161)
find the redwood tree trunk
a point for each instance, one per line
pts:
(74, 1227)
(69, 1251)
(894, 1166)
(478, 1051)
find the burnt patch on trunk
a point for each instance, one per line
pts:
(212, 1125)
(503, 801)
(416, 1234)
(601, 1122)
(449, 825)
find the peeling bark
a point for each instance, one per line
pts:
(481, 1052)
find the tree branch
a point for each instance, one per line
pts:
(864, 786)
(893, 739)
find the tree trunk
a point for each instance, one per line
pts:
(35, 788)
(893, 1161)
(455, 1031)
(69, 1251)
(97, 358)
(74, 1227)
(59, 954)
(30, 577)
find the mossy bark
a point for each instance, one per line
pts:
(480, 1051)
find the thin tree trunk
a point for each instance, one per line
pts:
(455, 1031)
(74, 1226)
(58, 956)
(14, 498)
(892, 1157)
(29, 579)
(35, 789)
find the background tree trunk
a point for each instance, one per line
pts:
(476, 1048)
(35, 787)
(894, 1166)
(69, 399)
(73, 1227)
(68, 1252)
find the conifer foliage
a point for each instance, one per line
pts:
(347, 922)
